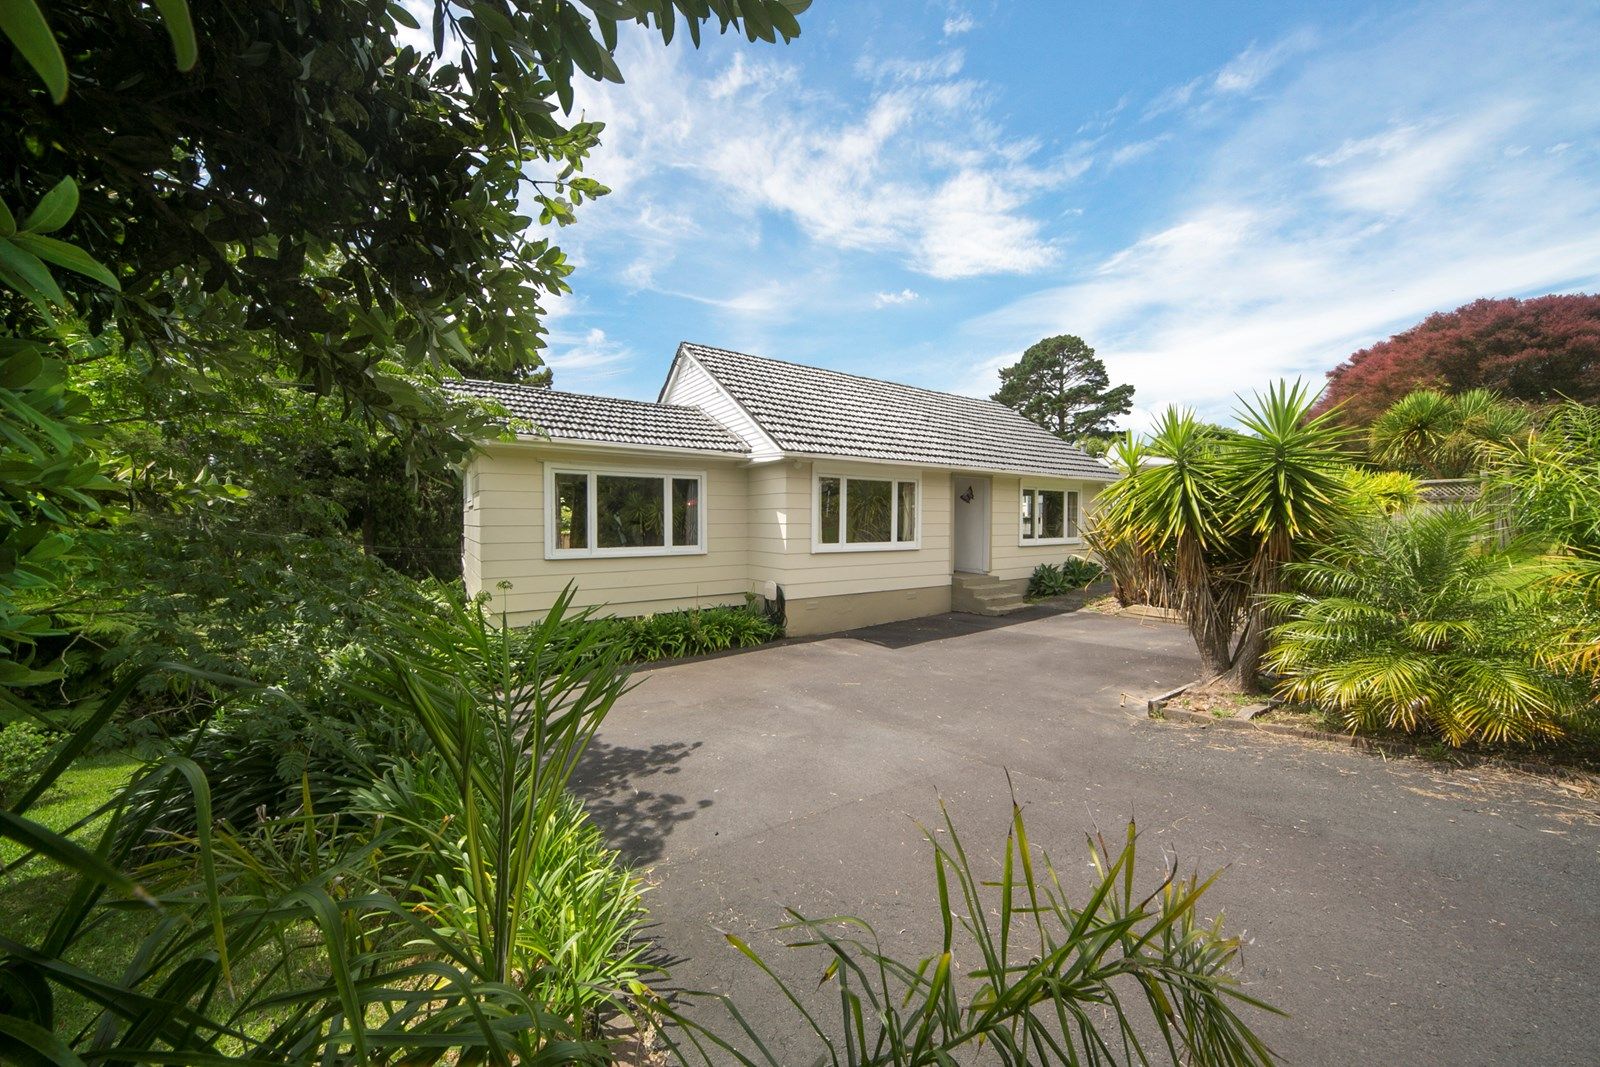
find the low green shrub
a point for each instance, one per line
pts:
(1058, 579)
(675, 634)
(1423, 622)
(575, 940)
(22, 749)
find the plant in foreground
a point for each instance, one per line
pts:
(1019, 969)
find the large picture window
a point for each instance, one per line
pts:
(865, 513)
(623, 513)
(1049, 516)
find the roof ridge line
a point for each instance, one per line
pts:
(848, 374)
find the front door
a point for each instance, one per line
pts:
(970, 523)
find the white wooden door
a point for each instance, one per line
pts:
(970, 523)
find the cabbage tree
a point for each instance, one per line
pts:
(1223, 513)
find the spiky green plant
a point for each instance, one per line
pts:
(1443, 435)
(1124, 975)
(1549, 486)
(1222, 514)
(1423, 623)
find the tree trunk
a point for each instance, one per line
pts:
(1244, 674)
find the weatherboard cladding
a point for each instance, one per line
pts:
(822, 412)
(578, 417)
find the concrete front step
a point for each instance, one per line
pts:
(980, 594)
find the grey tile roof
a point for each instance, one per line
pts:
(579, 417)
(825, 412)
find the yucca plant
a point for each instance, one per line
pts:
(1020, 974)
(1423, 623)
(1444, 435)
(1220, 515)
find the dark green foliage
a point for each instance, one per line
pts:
(313, 194)
(270, 936)
(1058, 579)
(1062, 385)
(1211, 523)
(689, 632)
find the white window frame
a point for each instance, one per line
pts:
(1075, 507)
(470, 486)
(891, 545)
(592, 471)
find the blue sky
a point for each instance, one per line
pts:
(1211, 195)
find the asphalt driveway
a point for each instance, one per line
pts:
(1401, 913)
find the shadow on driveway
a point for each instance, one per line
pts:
(625, 792)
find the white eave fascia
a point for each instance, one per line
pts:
(769, 446)
(1019, 472)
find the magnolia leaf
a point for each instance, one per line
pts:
(24, 25)
(69, 256)
(180, 27)
(55, 209)
(22, 271)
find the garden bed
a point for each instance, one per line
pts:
(1264, 714)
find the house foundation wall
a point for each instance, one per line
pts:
(850, 611)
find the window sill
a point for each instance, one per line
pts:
(887, 546)
(1048, 542)
(622, 553)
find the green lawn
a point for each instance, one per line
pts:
(30, 896)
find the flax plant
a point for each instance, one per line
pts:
(1218, 515)
(1126, 975)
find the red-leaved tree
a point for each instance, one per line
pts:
(1537, 350)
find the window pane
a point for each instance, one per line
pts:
(828, 511)
(1072, 514)
(572, 511)
(628, 512)
(686, 511)
(1052, 513)
(1027, 514)
(907, 530)
(867, 518)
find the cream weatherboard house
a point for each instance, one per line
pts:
(846, 500)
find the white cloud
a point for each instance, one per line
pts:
(580, 359)
(1173, 98)
(1398, 170)
(1130, 152)
(956, 25)
(904, 296)
(1239, 76)
(910, 169)
(1251, 67)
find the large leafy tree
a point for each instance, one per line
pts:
(1220, 515)
(316, 187)
(1539, 351)
(1062, 385)
(319, 193)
